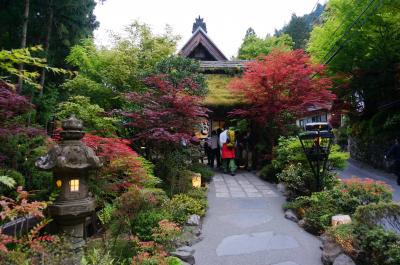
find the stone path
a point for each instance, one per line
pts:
(245, 225)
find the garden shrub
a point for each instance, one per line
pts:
(289, 151)
(317, 210)
(182, 205)
(166, 234)
(379, 247)
(199, 194)
(299, 181)
(386, 215)
(268, 173)
(145, 221)
(205, 171)
(342, 199)
(355, 192)
(158, 196)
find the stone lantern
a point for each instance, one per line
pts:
(71, 161)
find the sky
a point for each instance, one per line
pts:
(227, 20)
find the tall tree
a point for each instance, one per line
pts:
(367, 53)
(23, 40)
(282, 82)
(254, 46)
(299, 27)
(106, 73)
(168, 112)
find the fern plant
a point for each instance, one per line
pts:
(7, 181)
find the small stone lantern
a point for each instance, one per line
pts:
(71, 161)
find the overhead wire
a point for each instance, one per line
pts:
(354, 32)
(348, 29)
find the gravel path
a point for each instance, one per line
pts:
(245, 225)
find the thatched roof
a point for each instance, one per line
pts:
(218, 92)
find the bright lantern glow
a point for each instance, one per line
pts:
(74, 185)
(196, 181)
(58, 183)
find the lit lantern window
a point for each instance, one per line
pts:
(74, 185)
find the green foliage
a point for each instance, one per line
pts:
(199, 194)
(11, 59)
(206, 172)
(268, 173)
(356, 192)
(158, 196)
(151, 180)
(146, 221)
(289, 151)
(299, 28)
(172, 167)
(173, 261)
(178, 69)
(254, 46)
(107, 213)
(299, 180)
(13, 177)
(92, 115)
(342, 199)
(181, 206)
(385, 214)
(7, 181)
(369, 58)
(97, 257)
(379, 246)
(105, 74)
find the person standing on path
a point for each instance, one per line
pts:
(394, 152)
(218, 155)
(227, 141)
(214, 148)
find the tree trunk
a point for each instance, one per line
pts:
(47, 44)
(23, 40)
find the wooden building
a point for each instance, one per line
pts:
(218, 71)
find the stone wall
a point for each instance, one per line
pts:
(371, 152)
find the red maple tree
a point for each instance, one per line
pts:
(168, 112)
(282, 82)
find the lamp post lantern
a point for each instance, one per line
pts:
(70, 161)
(316, 142)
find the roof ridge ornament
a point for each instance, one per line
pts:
(199, 23)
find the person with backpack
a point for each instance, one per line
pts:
(228, 143)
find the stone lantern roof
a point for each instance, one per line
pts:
(71, 154)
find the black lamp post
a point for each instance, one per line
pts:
(316, 142)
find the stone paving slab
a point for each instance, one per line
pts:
(245, 225)
(241, 185)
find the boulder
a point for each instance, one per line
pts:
(340, 219)
(343, 259)
(289, 214)
(193, 220)
(330, 251)
(185, 253)
(302, 223)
